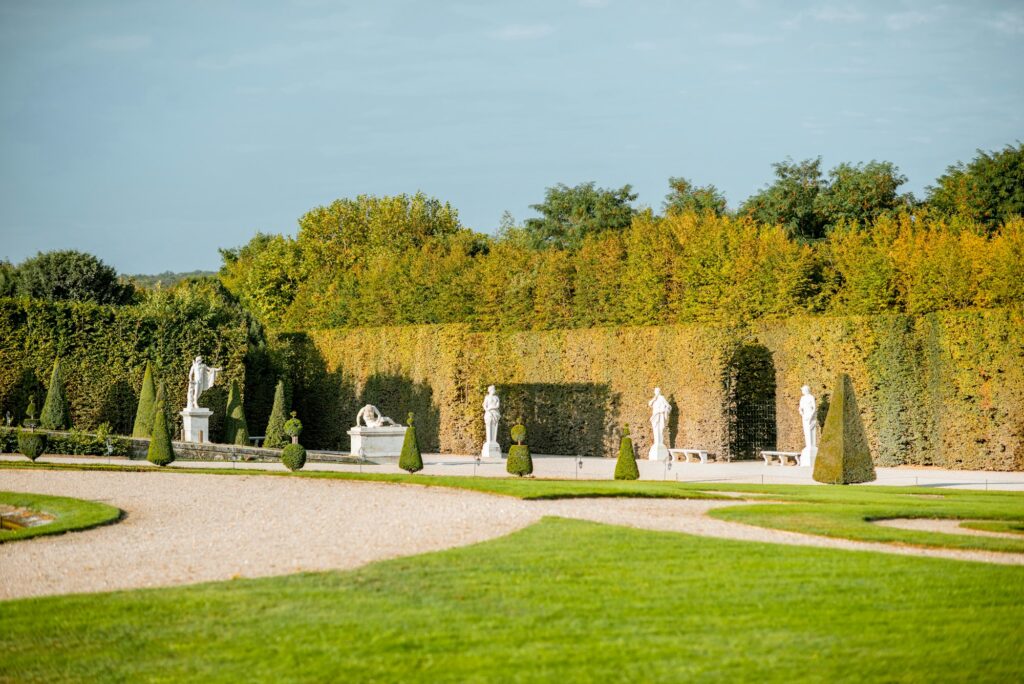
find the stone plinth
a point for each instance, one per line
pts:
(370, 442)
(196, 425)
(658, 453)
(491, 450)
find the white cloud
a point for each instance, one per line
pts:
(1010, 23)
(125, 43)
(902, 21)
(522, 32)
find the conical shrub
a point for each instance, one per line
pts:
(161, 452)
(56, 415)
(410, 459)
(144, 414)
(275, 437)
(843, 453)
(625, 467)
(235, 429)
(519, 460)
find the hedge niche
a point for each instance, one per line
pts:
(625, 467)
(410, 459)
(56, 415)
(144, 414)
(519, 460)
(844, 456)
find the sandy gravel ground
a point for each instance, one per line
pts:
(182, 530)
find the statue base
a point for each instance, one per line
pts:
(491, 450)
(807, 456)
(658, 453)
(196, 425)
(368, 442)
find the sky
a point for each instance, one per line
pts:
(152, 133)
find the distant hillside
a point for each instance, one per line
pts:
(166, 279)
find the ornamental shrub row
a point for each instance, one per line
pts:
(71, 443)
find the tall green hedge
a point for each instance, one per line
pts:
(236, 429)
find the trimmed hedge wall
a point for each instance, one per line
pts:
(945, 389)
(103, 352)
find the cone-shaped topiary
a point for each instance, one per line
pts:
(31, 444)
(293, 456)
(235, 429)
(147, 403)
(519, 460)
(410, 459)
(56, 415)
(843, 453)
(275, 436)
(161, 452)
(625, 467)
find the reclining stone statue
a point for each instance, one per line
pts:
(372, 417)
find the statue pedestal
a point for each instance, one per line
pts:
(491, 450)
(378, 441)
(658, 453)
(196, 425)
(807, 456)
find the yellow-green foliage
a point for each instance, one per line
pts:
(843, 453)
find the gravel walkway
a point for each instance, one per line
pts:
(187, 529)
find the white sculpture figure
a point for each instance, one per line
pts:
(200, 378)
(809, 418)
(660, 409)
(491, 417)
(372, 417)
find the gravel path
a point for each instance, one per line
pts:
(187, 529)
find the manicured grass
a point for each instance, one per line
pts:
(992, 526)
(560, 601)
(847, 512)
(70, 514)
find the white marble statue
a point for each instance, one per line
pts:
(491, 447)
(372, 417)
(660, 409)
(809, 419)
(200, 378)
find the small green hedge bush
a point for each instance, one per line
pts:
(625, 467)
(31, 444)
(411, 459)
(293, 456)
(519, 460)
(161, 451)
(275, 436)
(71, 443)
(844, 456)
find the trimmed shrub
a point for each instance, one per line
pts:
(30, 413)
(293, 456)
(293, 428)
(275, 435)
(9, 440)
(843, 454)
(410, 459)
(56, 414)
(625, 467)
(235, 429)
(161, 452)
(519, 460)
(31, 444)
(147, 403)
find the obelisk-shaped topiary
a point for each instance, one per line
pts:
(625, 467)
(519, 460)
(843, 453)
(235, 429)
(55, 415)
(147, 403)
(410, 459)
(161, 452)
(275, 437)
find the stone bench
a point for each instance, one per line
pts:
(702, 454)
(781, 456)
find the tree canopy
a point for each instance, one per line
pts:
(569, 214)
(988, 190)
(71, 275)
(685, 196)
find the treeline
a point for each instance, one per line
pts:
(848, 243)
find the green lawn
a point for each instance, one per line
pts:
(70, 514)
(992, 526)
(560, 601)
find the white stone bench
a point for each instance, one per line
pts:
(781, 456)
(702, 454)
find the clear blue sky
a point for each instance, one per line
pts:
(152, 133)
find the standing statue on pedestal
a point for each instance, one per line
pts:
(491, 417)
(660, 409)
(200, 378)
(195, 420)
(809, 419)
